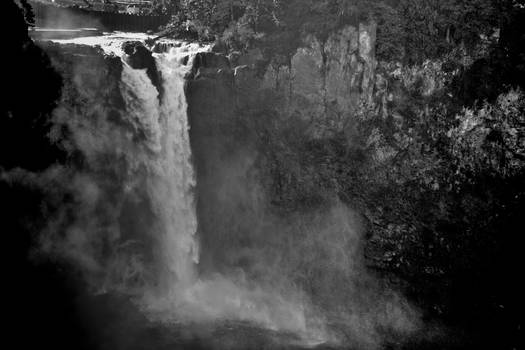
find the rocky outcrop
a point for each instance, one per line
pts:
(325, 81)
(139, 56)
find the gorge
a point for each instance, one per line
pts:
(288, 189)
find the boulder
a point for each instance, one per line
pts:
(138, 56)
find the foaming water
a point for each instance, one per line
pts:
(158, 167)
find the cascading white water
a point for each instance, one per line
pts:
(157, 165)
(170, 178)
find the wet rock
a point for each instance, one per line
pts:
(162, 47)
(211, 60)
(247, 86)
(139, 56)
(214, 68)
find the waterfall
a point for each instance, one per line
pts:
(134, 230)
(140, 156)
(169, 178)
(170, 182)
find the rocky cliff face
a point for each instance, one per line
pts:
(324, 81)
